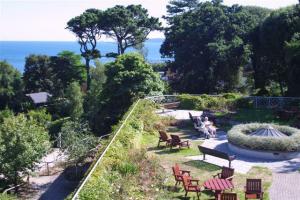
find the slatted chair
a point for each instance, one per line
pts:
(228, 196)
(176, 141)
(226, 173)
(253, 189)
(163, 137)
(178, 173)
(193, 118)
(190, 187)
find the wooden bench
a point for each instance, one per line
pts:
(213, 152)
(171, 105)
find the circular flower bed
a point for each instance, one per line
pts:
(239, 136)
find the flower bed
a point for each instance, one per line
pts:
(238, 136)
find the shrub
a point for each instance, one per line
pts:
(119, 175)
(238, 136)
(222, 102)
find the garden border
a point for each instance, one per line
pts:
(75, 196)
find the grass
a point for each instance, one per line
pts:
(199, 169)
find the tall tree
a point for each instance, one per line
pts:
(208, 45)
(129, 26)
(11, 86)
(87, 28)
(38, 75)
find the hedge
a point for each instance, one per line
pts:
(238, 135)
(225, 101)
(119, 173)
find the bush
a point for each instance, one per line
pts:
(238, 136)
(222, 102)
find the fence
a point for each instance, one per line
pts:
(257, 101)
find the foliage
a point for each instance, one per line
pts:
(74, 98)
(272, 54)
(122, 175)
(11, 87)
(129, 26)
(129, 77)
(52, 74)
(208, 42)
(7, 197)
(203, 102)
(5, 114)
(93, 97)
(77, 140)
(41, 116)
(238, 136)
(22, 143)
(87, 30)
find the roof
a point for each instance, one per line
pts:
(40, 97)
(268, 132)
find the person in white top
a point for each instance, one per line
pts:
(209, 125)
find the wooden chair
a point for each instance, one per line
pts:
(176, 141)
(228, 196)
(190, 187)
(193, 118)
(226, 173)
(178, 173)
(163, 137)
(253, 189)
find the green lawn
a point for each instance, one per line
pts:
(200, 170)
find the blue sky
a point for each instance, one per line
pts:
(45, 20)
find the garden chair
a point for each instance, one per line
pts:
(226, 173)
(193, 118)
(178, 173)
(176, 141)
(253, 189)
(163, 137)
(228, 196)
(190, 187)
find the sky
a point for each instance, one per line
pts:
(45, 20)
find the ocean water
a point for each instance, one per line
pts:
(15, 52)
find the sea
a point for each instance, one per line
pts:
(15, 52)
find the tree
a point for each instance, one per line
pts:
(22, 143)
(67, 67)
(129, 26)
(269, 48)
(38, 75)
(77, 141)
(129, 77)
(74, 98)
(52, 74)
(208, 45)
(11, 87)
(87, 28)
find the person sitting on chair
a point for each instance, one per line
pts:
(200, 126)
(209, 125)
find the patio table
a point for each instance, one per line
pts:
(218, 185)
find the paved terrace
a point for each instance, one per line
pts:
(286, 177)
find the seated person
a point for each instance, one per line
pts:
(200, 126)
(209, 125)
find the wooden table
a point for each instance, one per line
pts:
(218, 185)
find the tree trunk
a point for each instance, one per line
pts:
(88, 77)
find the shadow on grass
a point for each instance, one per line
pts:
(202, 165)
(177, 151)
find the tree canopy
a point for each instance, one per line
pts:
(208, 44)
(11, 86)
(129, 26)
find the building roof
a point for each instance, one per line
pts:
(39, 97)
(268, 132)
